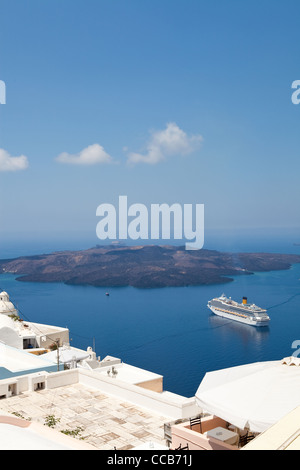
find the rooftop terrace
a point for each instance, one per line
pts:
(107, 422)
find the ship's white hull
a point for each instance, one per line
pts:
(240, 319)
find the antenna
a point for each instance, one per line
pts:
(57, 345)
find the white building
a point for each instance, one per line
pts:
(16, 363)
(27, 335)
(28, 365)
(6, 306)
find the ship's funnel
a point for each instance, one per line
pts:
(244, 300)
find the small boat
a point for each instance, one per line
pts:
(107, 293)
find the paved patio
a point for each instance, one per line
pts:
(106, 421)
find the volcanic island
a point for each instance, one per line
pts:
(146, 266)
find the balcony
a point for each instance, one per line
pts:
(209, 433)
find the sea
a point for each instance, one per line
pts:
(169, 331)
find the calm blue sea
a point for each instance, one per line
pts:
(169, 331)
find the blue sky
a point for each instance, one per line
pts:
(164, 101)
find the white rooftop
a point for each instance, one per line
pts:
(17, 360)
(129, 374)
(25, 328)
(66, 355)
(107, 421)
(34, 436)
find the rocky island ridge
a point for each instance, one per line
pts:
(145, 266)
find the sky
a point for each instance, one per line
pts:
(164, 101)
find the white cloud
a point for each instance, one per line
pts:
(9, 163)
(91, 155)
(168, 142)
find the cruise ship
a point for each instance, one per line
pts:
(241, 312)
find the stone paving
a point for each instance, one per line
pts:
(104, 422)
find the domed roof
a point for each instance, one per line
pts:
(6, 306)
(4, 296)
